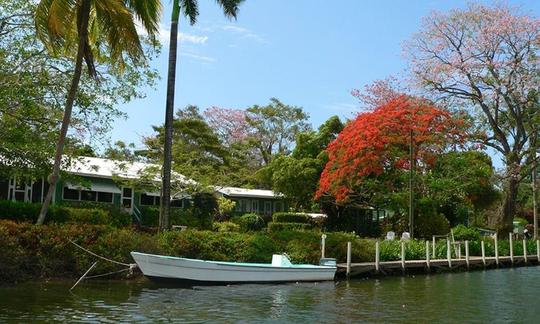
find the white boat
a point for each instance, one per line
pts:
(160, 267)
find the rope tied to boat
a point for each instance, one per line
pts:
(130, 267)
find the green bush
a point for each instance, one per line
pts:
(179, 216)
(464, 233)
(251, 222)
(284, 217)
(427, 225)
(226, 227)
(90, 213)
(276, 227)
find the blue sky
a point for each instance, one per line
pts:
(307, 53)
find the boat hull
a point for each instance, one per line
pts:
(165, 268)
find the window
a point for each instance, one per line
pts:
(105, 197)
(147, 200)
(177, 203)
(255, 205)
(268, 207)
(237, 205)
(87, 195)
(71, 194)
(127, 192)
(244, 205)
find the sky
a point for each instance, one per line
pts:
(308, 53)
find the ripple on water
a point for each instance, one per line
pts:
(484, 296)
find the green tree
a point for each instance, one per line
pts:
(190, 10)
(297, 176)
(90, 30)
(275, 127)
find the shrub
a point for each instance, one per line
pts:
(464, 233)
(251, 222)
(226, 227)
(276, 227)
(283, 217)
(431, 224)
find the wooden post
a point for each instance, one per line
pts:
(496, 249)
(427, 255)
(448, 253)
(377, 255)
(467, 253)
(403, 255)
(510, 243)
(434, 244)
(349, 252)
(538, 251)
(525, 250)
(323, 245)
(483, 252)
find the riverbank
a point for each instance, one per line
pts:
(42, 252)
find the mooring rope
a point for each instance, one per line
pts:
(129, 265)
(107, 274)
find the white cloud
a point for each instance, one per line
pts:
(164, 35)
(244, 33)
(198, 57)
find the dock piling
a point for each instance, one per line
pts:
(525, 250)
(323, 245)
(538, 251)
(377, 255)
(449, 253)
(467, 253)
(349, 252)
(483, 252)
(496, 249)
(434, 245)
(511, 247)
(427, 255)
(403, 255)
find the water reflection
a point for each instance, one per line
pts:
(491, 296)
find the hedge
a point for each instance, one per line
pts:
(283, 217)
(276, 227)
(83, 213)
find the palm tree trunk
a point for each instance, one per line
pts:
(53, 178)
(164, 215)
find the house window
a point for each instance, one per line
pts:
(268, 207)
(177, 203)
(105, 197)
(244, 205)
(87, 195)
(255, 205)
(147, 200)
(70, 194)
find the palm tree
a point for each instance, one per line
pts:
(91, 30)
(190, 10)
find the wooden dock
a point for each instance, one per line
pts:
(385, 267)
(451, 262)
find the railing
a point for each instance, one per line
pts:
(137, 214)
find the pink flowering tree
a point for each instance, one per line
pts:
(230, 124)
(379, 93)
(486, 59)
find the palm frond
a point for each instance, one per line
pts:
(191, 10)
(230, 7)
(148, 12)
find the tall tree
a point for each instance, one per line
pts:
(275, 127)
(90, 30)
(190, 10)
(485, 58)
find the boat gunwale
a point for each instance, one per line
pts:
(237, 264)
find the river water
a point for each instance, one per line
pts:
(502, 295)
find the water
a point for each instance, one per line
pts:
(504, 295)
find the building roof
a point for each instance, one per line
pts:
(248, 193)
(106, 168)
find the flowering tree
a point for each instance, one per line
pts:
(379, 92)
(486, 58)
(375, 146)
(229, 124)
